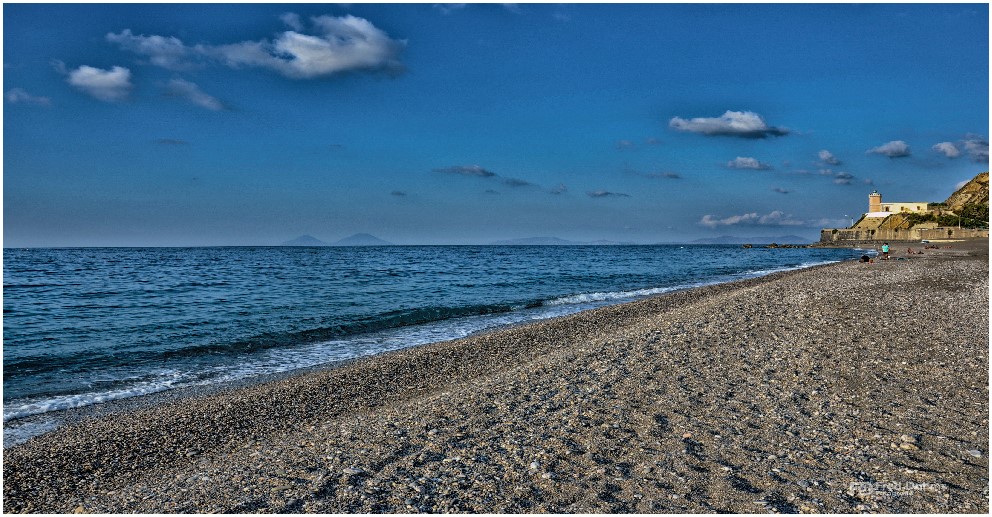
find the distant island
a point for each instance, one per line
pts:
(554, 241)
(358, 239)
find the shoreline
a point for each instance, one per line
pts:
(712, 398)
(40, 423)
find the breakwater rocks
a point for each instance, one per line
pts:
(843, 388)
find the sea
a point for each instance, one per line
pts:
(84, 326)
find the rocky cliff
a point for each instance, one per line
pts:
(975, 192)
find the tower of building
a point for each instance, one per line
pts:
(874, 202)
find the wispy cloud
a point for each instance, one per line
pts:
(515, 182)
(111, 85)
(19, 96)
(191, 92)
(624, 145)
(893, 149)
(743, 124)
(742, 162)
(559, 189)
(449, 8)
(167, 52)
(606, 193)
(781, 190)
(828, 158)
(467, 170)
(292, 20)
(334, 45)
(977, 147)
(773, 218)
(398, 193)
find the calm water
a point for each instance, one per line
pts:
(82, 326)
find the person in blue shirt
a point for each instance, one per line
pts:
(885, 251)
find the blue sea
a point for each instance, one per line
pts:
(89, 325)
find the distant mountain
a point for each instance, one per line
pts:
(553, 241)
(305, 240)
(362, 239)
(730, 239)
(535, 241)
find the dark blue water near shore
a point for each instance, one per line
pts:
(82, 326)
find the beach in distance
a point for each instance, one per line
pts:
(846, 387)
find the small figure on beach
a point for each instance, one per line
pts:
(865, 258)
(885, 251)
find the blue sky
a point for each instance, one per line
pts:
(241, 124)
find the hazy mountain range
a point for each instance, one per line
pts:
(359, 239)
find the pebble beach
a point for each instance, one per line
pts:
(846, 388)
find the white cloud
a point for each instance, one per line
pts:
(191, 92)
(742, 162)
(744, 124)
(948, 149)
(167, 52)
(342, 44)
(106, 85)
(292, 20)
(773, 218)
(893, 149)
(977, 147)
(19, 96)
(828, 158)
(449, 8)
(338, 44)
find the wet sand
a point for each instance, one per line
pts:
(842, 388)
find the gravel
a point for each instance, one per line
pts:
(842, 388)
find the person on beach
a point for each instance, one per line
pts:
(885, 251)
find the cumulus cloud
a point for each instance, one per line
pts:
(106, 85)
(340, 44)
(335, 45)
(192, 93)
(19, 96)
(467, 170)
(167, 52)
(742, 162)
(828, 158)
(606, 193)
(773, 218)
(743, 124)
(977, 147)
(893, 149)
(948, 149)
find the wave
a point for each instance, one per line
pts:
(275, 353)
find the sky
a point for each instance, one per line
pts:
(252, 124)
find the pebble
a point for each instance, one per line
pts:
(596, 400)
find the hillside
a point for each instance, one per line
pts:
(975, 192)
